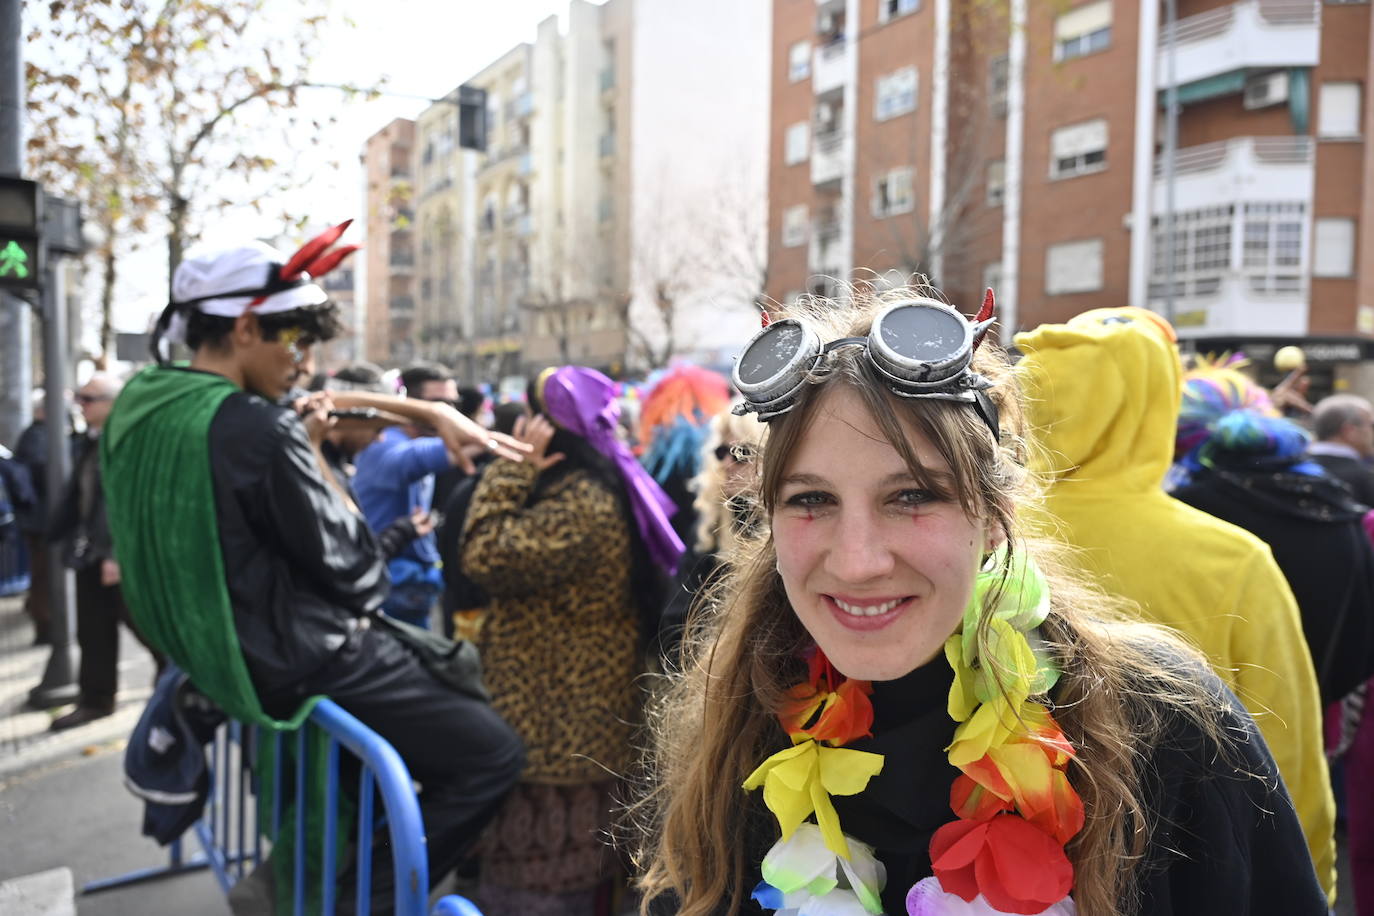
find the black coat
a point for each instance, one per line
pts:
(1325, 556)
(300, 566)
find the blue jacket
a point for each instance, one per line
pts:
(395, 475)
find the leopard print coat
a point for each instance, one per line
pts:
(559, 642)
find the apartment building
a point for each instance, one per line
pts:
(444, 230)
(612, 137)
(1021, 146)
(388, 307)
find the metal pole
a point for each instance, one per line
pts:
(16, 375)
(1170, 153)
(59, 678)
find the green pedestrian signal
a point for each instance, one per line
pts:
(14, 261)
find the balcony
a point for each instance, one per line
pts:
(606, 79)
(1239, 169)
(1260, 34)
(402, 305)
(518, 222)
(828, 159)
(522, 106)
(1231, 305)
(830, 68)
(401, 258)
(607, 145)
(524, 165)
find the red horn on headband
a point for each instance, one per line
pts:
(984, 314)
(311, 257)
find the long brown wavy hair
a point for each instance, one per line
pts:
(715, 720)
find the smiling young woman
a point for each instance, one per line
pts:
(940, 720)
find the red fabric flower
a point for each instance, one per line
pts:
(1016, 866)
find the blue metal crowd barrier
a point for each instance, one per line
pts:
(232, 838)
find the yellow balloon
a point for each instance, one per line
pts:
(1289, 358)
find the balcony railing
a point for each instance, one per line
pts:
(1264, 150)
(1217, 21)
(607, 79)
(827, 159)
(402, 259)
(1244, 35)
(402, 304)
(607, 145)
(520, 107)
(830, 68)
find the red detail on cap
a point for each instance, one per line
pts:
(311, 258)
(764, 319)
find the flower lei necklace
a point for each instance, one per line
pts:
(1015, 807)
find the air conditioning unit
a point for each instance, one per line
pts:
(1263, 91)
(826, 24)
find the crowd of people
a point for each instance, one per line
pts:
(1090, 632)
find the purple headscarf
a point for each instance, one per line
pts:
(582, 401)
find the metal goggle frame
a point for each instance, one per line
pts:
(921, 348)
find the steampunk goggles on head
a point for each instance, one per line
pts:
(921, 349)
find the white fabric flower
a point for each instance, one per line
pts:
(928, 898)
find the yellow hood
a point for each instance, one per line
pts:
(1103, 398)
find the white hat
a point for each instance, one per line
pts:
(228, 282)
(242, 269)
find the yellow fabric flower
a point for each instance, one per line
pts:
(800, 780)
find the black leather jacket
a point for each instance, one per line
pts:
(301, 568)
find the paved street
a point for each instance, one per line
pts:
(62, 799)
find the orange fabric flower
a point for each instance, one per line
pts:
(829, 708)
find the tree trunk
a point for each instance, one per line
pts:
(107, 303)
(177, 214)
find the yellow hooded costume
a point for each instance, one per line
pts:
(1104, 393)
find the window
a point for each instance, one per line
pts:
(1078, 149)
(1083, 30)
(796, 146)
(992, 277)
(996, 182)
(999, 71)
(799, 61)
(1338, 110)
(1202, 252)
(892, 193)
(891, 9)
(794, 225)
(1271, 247)
(1073, 267)
(896, 94)
(1333, 248)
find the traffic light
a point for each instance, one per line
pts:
(472, 118)
(21, 249)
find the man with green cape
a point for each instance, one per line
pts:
(244, 560)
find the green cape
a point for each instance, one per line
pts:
(160, 499)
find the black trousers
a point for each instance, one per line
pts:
(465, 757)
(99, 611)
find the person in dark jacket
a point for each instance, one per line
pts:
(1344, 428)
(302, 572)
(32, 451)
(1244, 464)
(83, 535)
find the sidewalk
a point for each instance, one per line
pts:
(76, 813)
(62, 797)
(25, 740)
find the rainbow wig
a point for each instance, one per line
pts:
(1228, 422)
